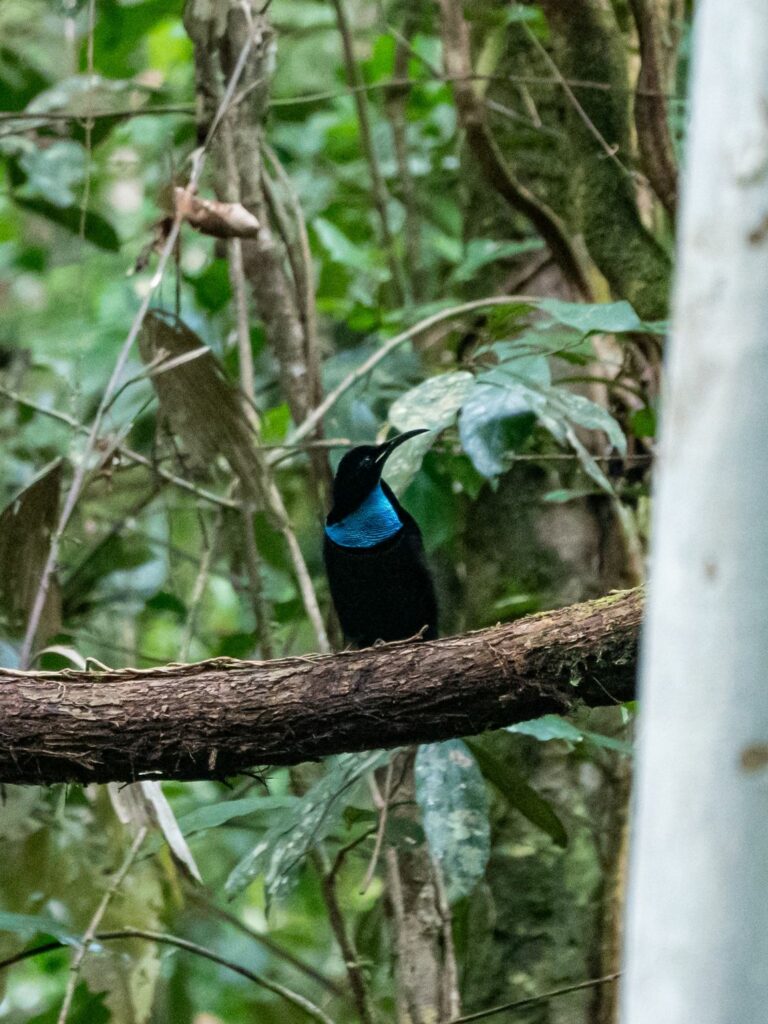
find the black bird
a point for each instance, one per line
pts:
(374, 556)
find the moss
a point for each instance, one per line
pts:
(588, 44)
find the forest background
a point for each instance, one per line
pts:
(405, 215)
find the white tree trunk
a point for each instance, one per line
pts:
(697, 935)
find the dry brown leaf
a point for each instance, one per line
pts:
(201, 406)
(144, 804)
(211, 217)
(26, 524)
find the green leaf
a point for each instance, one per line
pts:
(588, 317)
(506, 778)
(280, 854)
(340, 248)
(562, 495)
(548, 727)
(454, 803)
(554, 727)
(494, 421)
(27, 925)
(53, 173)
(433, 405)
(213, 815)
(96, 229)
(212, 287)
(582, 411)
(643, 422)
(87, 1008)
(482, 251)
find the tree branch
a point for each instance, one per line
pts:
(653, 133)
(223, 716)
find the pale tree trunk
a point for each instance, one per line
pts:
(697, 943)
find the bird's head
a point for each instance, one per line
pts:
(359, 472)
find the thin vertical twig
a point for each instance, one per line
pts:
(589, 124)
(344, 939)
(89, 122)
(395, 101)
(261, 609)
(381, 800)
(304, 273)
(88, 936)
(449, 976)
(198, 590)
(378, 185)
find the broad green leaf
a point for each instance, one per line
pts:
(213, 815)
(554, 727)
(341, 248)
(548, 727)
(608, 742)
(518, 363)
(53, 173)
(280, 854)
(583, 412)
(454, 803)
(96, 229)
(482, 251)
(494, 421)
(643, 422)
(611, 317)
(434, 405)
(562, 495)
(506, 778)
(27, 925)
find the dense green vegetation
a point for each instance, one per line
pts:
(384, 207)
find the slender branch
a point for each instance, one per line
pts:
(651, 118)
(390, 345)
(198, 589)
(610, 151)
(188, 109)
(261, 609)
(304, 273)
(343, 937)
(87, 939)
(471, 112)
(520, 1004)
(193, 893)
(121, 450)
(163, 938)
(396, 100)
(380, 194)
(382, 802)
(450, 996)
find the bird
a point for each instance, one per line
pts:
(374, 556)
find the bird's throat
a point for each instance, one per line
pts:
(372, 522)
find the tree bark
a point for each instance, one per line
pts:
(697, 932)
(221, 717)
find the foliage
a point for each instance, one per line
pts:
(542, 413)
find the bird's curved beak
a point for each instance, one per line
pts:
(386, 449)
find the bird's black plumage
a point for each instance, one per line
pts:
(381, 588)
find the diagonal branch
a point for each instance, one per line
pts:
(498, 174)
(221, 717)
(651, 119)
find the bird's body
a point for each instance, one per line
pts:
(374, 556)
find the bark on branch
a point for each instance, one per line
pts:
(221, 717)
